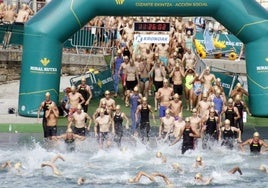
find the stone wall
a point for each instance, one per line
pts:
(77, 64)
(72, 64)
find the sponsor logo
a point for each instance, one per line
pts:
(119, 2)
(147, 38)
(45, 61)
(43, 69)
(262, 69)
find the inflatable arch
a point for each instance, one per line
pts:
(55, 23)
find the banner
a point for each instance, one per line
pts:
(231, 41)
(147, 38)
(98, 82)
(227, 81)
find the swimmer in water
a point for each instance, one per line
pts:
(160, 155)
(7, 165)
(198, 162)
(81, 181)
(263, 168)
(151, 177)
(176, 167)
(235, 169)
(255, 144)
(200, 180)
(206, 181)
(52, 165)
(69, 137)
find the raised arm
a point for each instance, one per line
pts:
(165, 178)
(53, 160)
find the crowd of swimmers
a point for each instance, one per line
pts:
(198, 166)
(165, 73)
(213, 119)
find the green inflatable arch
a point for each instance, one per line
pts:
(54, 24)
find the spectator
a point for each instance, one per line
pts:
(23, 14)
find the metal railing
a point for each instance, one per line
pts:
(94, 39)
(35, 5)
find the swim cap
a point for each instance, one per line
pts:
(207, 68)
(117, 107)
(176, 96)
(176, 166)
(218, 91)
(136, 88)
(262, 168)
(256, 134)
(218, 79)
(230, 100)
(165, 80)
(17, 165)
(198, 176)
(69, 130)
(47, 94)
(205, 95)
(227, 121)
(158, 154)
(238, 85)
(194, 110)
(198, 159)
(83, 79)
(107, 92)
(144, 99)
(73, 88)
(167, 111)
(187, 119)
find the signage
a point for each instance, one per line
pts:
(151, 26)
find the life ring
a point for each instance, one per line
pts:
(232, 56)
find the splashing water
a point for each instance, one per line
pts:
(113, 167)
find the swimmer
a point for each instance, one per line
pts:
(151, 177)
(69, 138)
(200, 180)
(263, 168)
(176, 167)
(7, 165)
(165, 178)
(138, 176)
(160, 155)
(52, 165)
(255, 144)
(198, 162)
(235, 169)
(81, 181)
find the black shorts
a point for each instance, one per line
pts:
(178, 89)
(131, 84)
(80, 131)
(103, 136)
(51, 131)
(158, 85)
